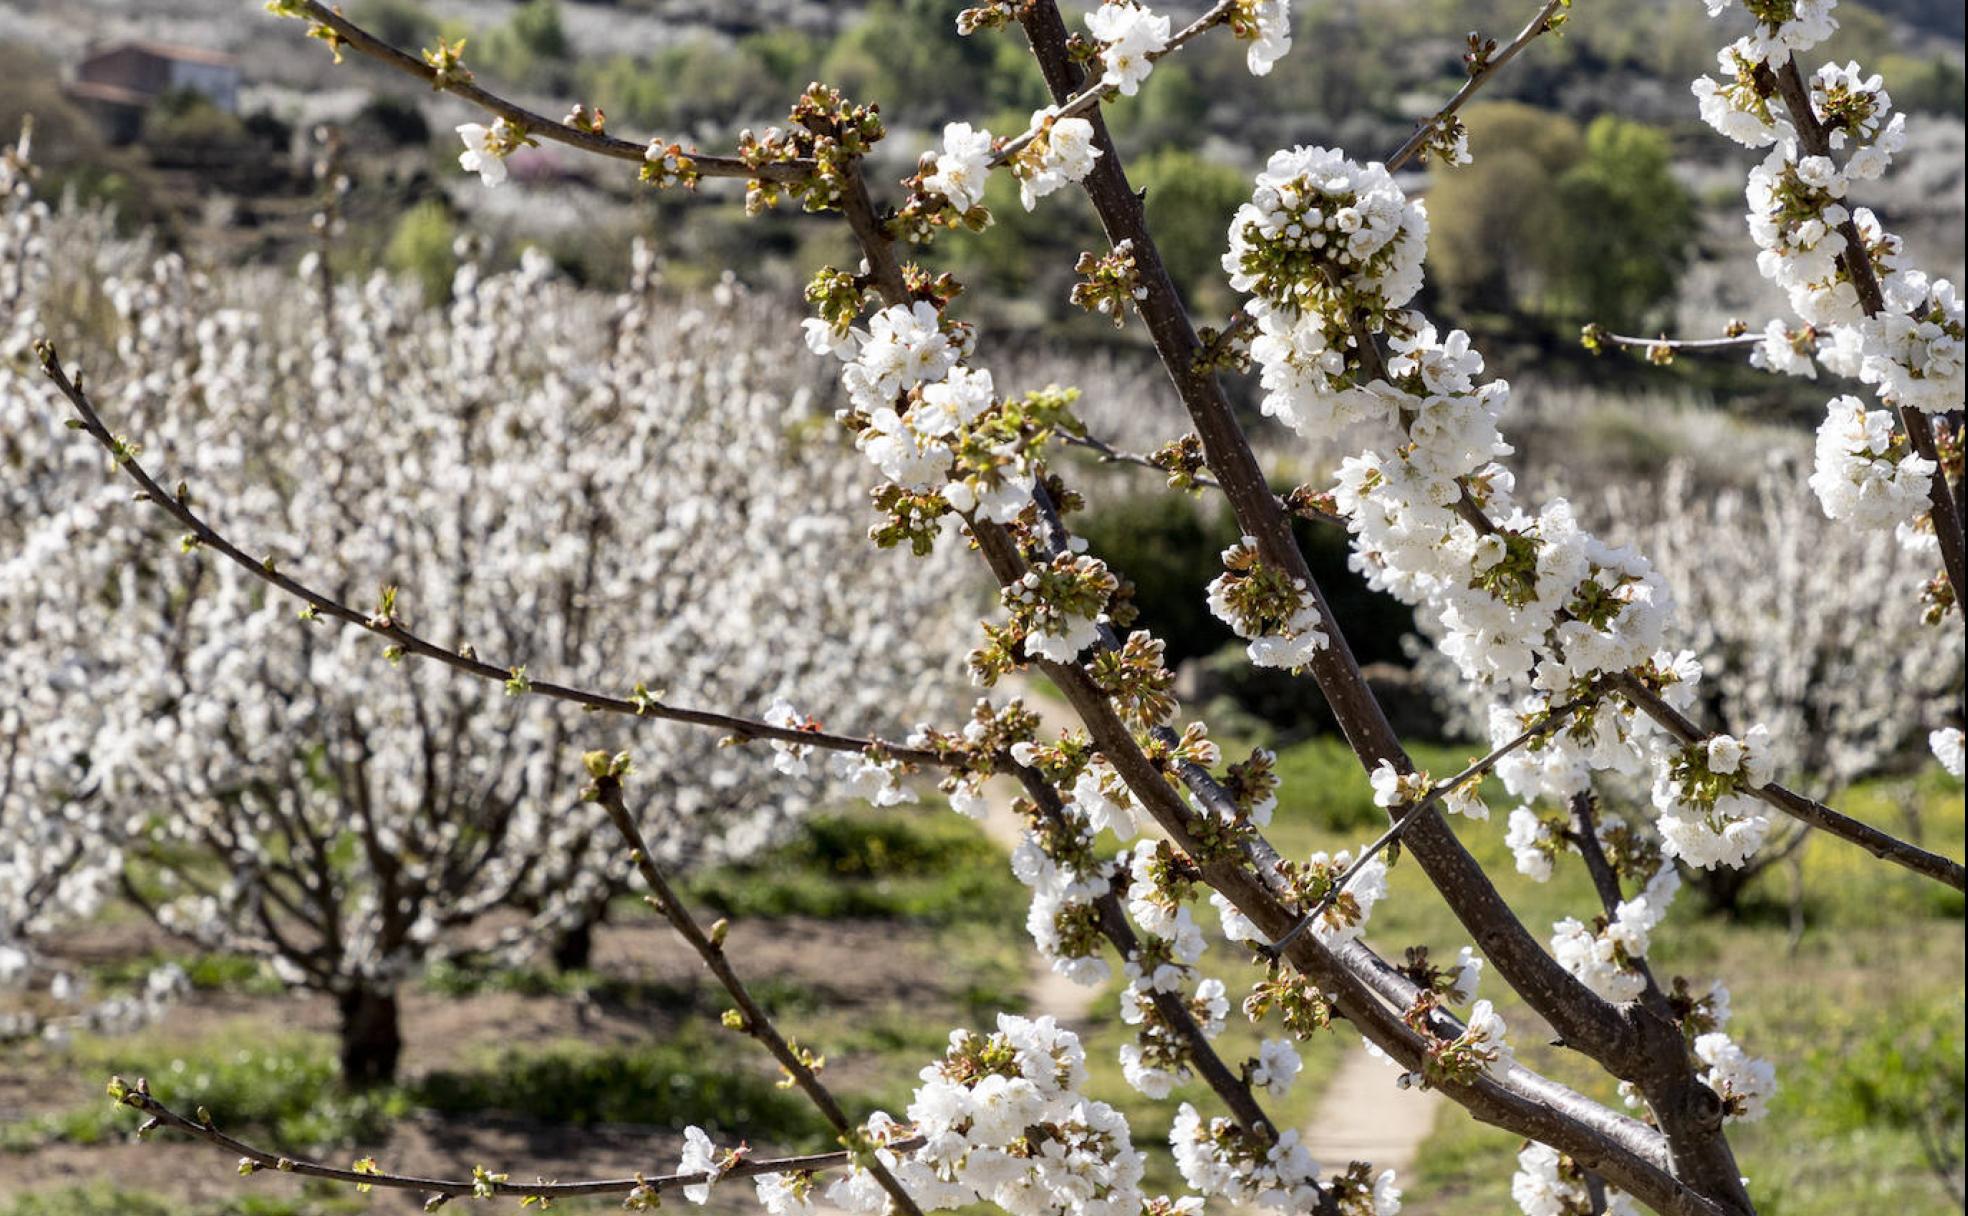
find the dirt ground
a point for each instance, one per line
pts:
(855, 968)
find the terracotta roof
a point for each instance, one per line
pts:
(95, 90)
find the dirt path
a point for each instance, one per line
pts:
(1364, 1116)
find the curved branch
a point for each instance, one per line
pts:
(386, 626)
(375, 48)
(160, 1115)
(1882, 845)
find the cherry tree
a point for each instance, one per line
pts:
(279, 788)
(1575, 641)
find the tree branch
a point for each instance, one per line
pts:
(607, 791)
(138, 1098)
(375, 48)
(1857, 261)
(1578, 1014)
(386, 626)
(1880, 844)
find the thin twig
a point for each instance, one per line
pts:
(1724, 343)
(160, 1115)
(387, 626)
(533, 123)
(1095, 93)
(754, 1021)
(1411, 813)
(1477, 79)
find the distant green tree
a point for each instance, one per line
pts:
(420, 247)
(690, 88)
(1625, 230)
(1190, 201)
(1489, 219)
(1554, 222)
(398, 22)
(901, 55)
(1169, 109)
(531, 47)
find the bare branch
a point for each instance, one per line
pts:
(138, 1098)
(533, 123)
(384, 625)
(753, 1020)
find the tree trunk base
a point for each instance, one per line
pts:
(372, 1038)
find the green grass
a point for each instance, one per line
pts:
(1863, 1019)
(289, 1089)
(461, 979)
(705, 1077)
(206, 972)
(290, 1093)
(919, 865)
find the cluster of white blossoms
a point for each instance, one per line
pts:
(1864, 471)
(1279, 617)
(1548, 1183)
(1004, 1121)
(1946, 744)
(915, 404)
(1128, 34)
(1708, 816)
(962, 169)
(1321, 235)
(1784, 27)
(1219, 1158)
(486, 148)
(1605, 957)
(1744, 1083)
(1910, 351)
(1266, 25)
(1062, 154)
(1525, 602)
(1065, 877)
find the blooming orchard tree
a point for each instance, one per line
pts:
(275, 786)
(1575, 642)
(1814, 631)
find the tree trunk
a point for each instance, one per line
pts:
(372, 1037)
(573, 947)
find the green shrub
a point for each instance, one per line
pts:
(101, 1199)
(917, 864)
(421, 248)
(684, 1079)
(206, 972)
(289, 1091)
